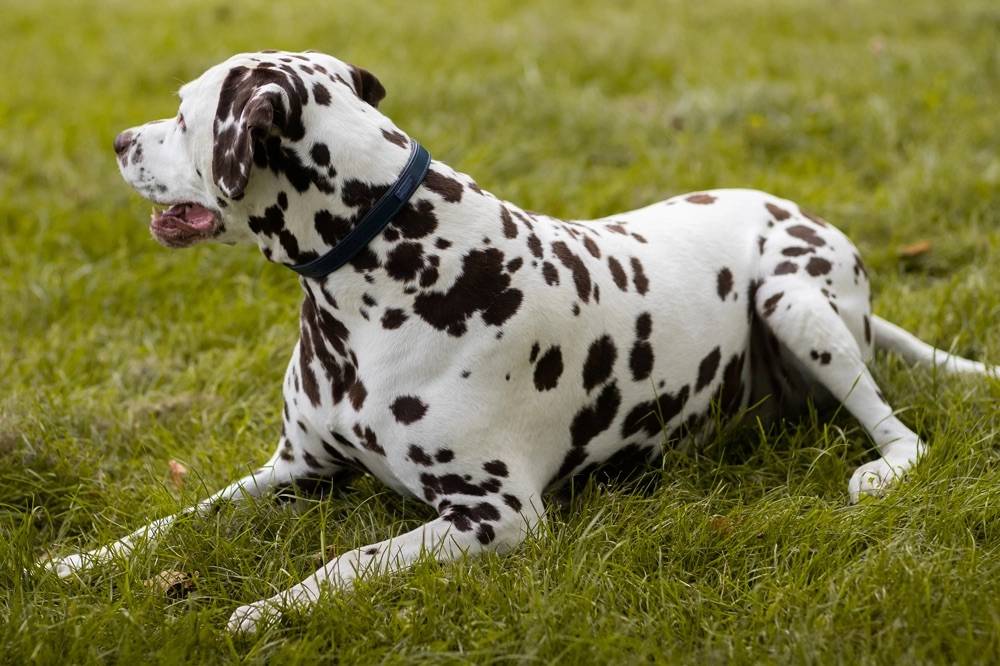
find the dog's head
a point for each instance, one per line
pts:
(249, 133)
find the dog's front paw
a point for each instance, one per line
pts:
(251, 618)
(872, 479)
(65, 567)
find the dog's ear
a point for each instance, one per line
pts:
(232, 152)
(367, 87)
(252, 105)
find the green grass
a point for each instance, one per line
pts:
(114, 357)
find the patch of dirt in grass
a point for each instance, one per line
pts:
(8, 440)
(158, 406)
(10, 433)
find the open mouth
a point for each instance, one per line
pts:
(183, 224)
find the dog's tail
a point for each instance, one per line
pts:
(890, 337)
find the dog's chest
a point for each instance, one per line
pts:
(351, 399)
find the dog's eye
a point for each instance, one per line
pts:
(181, 123)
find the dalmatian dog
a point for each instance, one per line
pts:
(472, 354)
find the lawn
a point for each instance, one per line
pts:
(117, 355)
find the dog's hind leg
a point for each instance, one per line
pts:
(826, 352)
(281, 471)
(460, 529)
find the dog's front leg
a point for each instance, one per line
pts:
(459, 530)
(278, 472)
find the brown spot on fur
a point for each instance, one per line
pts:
(548, 369)
(643, 326)
(398, 138)
(415, 220)
(535, 246)
(581, 276)
(482, 286)
(724, 283)
(785, 268)
(368, 439)
(618, 274)
(404, 261)
(807, 234)
(550, 274)
(449, 188)
(599, 363)
(393, 318)
(321, 94)
(509, 227)
(640, 360)
(730, 393)
(408, 409)
(823, 358)
(357, 395)
(419, 456)
(589, 422)
(707, 368)
(646, 416)
(639, 277)
(780, 214)
(818, 266)
(428, 277)
(496, 468)
(772, 303)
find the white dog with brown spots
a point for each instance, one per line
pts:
(472, 354)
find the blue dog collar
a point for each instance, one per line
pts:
(372, 224)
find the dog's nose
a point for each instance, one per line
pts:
(122, 143)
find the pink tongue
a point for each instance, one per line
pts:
(195, 216)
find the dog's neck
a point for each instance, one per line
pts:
(447, 216)
(319, 190)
